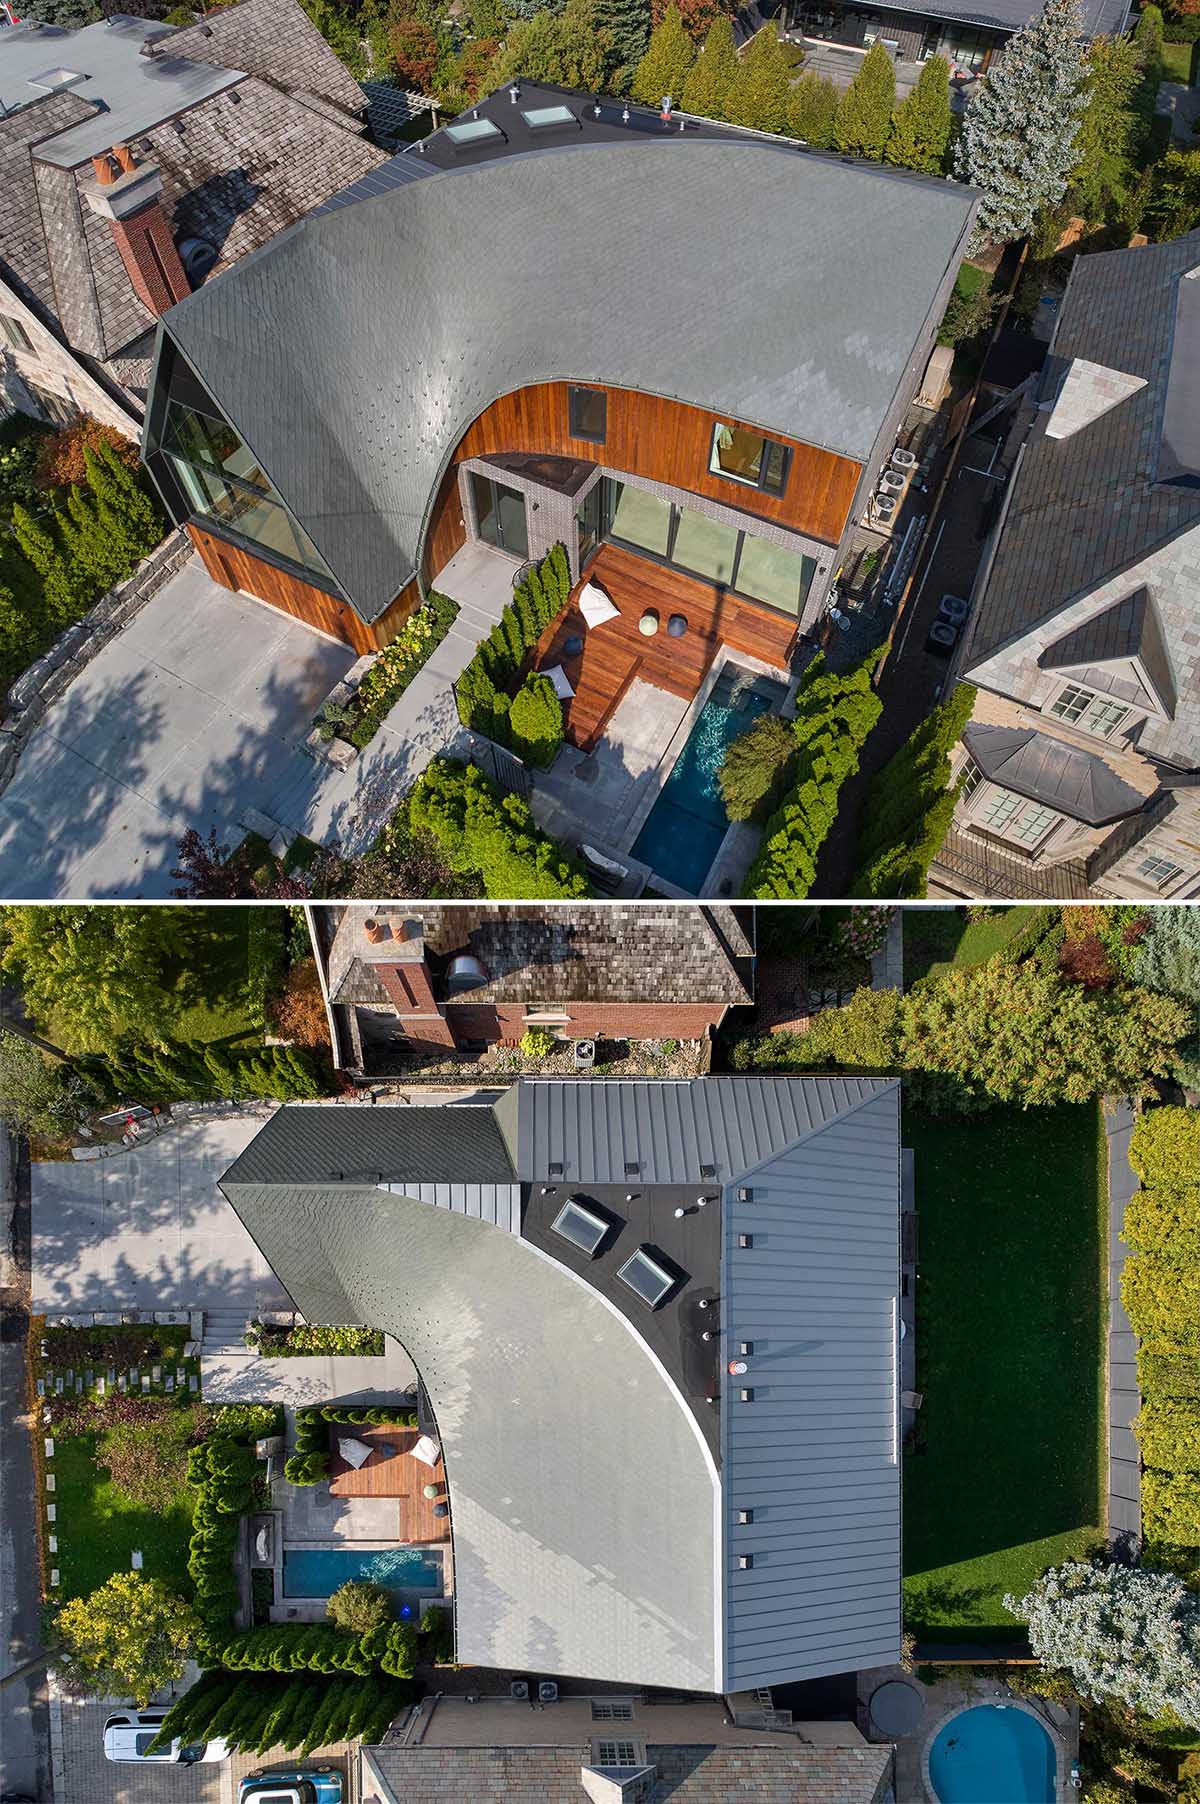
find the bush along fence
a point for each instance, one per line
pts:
(222, 1471)
(834, 717)
(199, 1072)
(1161, 1292)
(353, 712)
(273, 1710)
(309, 1464)
(491, 836)
(909, 805)
(523, 723)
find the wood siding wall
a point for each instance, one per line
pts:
(235, 568)
(664, 441)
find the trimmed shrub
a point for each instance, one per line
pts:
(479, 830)
(254, 1711)
(437, 1636)
(1168, 1375)
(309, 1463)
(711, 76)
(812, 110)
(909, 806)
(667, 63)
(188, 1071)
(536, 1043)
(1162, 1299)
(1171, 1508)
(535, 722)
(864, 116)
(1168, 1433)
(483, 705)
(388, 1415)
(922, 123)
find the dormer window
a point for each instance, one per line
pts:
(1093, 713)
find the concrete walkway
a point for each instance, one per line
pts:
(233, 1374)
(1124, 1401)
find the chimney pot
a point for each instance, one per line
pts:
(376, 931)
(106, 173)
(124, 157)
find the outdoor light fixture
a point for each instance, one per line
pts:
(625, 116)
(745, 1346)
(596, 109)
(708, 1302)
(745, 1240)
(745, 1194)
(745, 1516)
(631, 1197)
(708, 1335)
(737, 1367)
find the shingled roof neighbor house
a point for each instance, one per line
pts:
(572, 1272)
(1084, 637)
(232, 129)
(402, 979)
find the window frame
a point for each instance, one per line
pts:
(1019, 808)
(647, 1261)
(590, 1218)
(1090, 701)
(14, 333)
(575, 389)
(768, 444)
(1172, 872)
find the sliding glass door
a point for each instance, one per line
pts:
(500, 512)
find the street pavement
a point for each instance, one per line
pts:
(147, 1228)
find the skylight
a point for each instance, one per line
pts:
(578, 1225)
(473, 131)
(53, 80)
(539, 118)
(645, 1276)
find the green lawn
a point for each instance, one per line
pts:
(937, 939)
(970, 279)
(1011, 1313)
(98, 1529)
(1177, 62)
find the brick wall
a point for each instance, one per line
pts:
(589, 1020)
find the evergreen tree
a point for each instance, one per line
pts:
(91, 549)
(755, 765)
(706, 90)
(921, 124)
(536, 722)
(908, 806)
(1018, 139)
(1105, 150)
(629, 23)
(812, 110)
(63, 591)
(665, 67)
(758, 94)
(864, 115)
(123, 509)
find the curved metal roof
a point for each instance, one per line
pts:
(745, 276)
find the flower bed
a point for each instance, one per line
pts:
(360, 718)
(309, 1338)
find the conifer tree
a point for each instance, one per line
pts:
(664, 68)
(131, 515)
(629, 23)
(98, 554)
(706, 90)
(1018, 138)
(758, 94)
(62, 590)
(921, 124)
(536, 721)
(864, 115)
(812, 110)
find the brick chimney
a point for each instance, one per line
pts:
(128, 195)
(395, 950)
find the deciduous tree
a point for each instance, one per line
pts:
(574, 48)
(129, 1638)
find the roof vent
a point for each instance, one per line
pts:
(465, 972)
(198, 257)
(547, 1691)
(519, 1688)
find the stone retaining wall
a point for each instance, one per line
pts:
(74, 649)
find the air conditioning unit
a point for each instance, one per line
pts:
(585, 1054)
(547, 1691)
(519, 1689)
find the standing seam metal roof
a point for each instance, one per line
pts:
(353, 352)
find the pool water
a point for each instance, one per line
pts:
(993, 1755)
(318, 1571)
(682, 833)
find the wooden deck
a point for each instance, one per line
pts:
(616, 653)
(396, 1475)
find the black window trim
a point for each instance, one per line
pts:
(584, 388)
(746, 482)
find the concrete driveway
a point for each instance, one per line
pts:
(148, 1228)
(192, 714)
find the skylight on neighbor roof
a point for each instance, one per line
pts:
(54, 80)
(578, 1225)
(645, 1276)
(473, 131)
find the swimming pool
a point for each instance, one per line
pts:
(682, 834)
(318, 1571)
(991, 1754)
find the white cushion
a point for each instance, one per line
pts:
(355, 1453)
(595, 605)
(426, 1450)
(561, 681)
(648, 625)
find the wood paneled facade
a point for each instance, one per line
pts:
(660, 440)
(236, 568)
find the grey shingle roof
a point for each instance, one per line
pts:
(1128, 631)
(322, 1143)
(568, 1559)
(1083, 508)
(636, 953)
(1009, 15)
(276, 41)
(1049, 770)
(681, 241)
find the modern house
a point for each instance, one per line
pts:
(136, 162)
(402, 980)
(970, 36)
(657, 1326)
(1080, 765)
(681, 349)
(609, 1748)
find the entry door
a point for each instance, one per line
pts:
(589, 516)
(501, 514)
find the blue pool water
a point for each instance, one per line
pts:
(990, 1755)
(684, 829)
(318, 1571)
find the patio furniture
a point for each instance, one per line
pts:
(441, 1509)
(648, 624)
(355, 1453)
(573, 645)
(561, 682)
(429, 1491)
(677, 626)
(426, 1450)
(595, 605)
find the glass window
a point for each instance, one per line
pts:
(749, 457)
(589, 414)
(998, 809)
(578, 1225)
(639, 519)
(1013, 816)
(1159, 871)
(773, 574)
(645, 1276)
(1031, 823)
(1084, 708)
(539, 117)
(972, 778)
(704, 546)
(473, 131)
(14, 333)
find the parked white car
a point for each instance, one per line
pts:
(128, 1734)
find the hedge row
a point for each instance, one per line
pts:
(491, 836)
(393, 1417)
(909, 805)
(221, 1471)
(309, 1464)
(1160, 1288)
(481, 691)
(264, 1711)
(191, 1071)
(320, 1647)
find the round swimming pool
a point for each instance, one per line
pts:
(993, 1754)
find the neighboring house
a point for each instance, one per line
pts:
(657, 1325)
(969, 35)
(471, 974)
(610, 1749)
(135, 163)
(681, 349)
(1081, 764)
